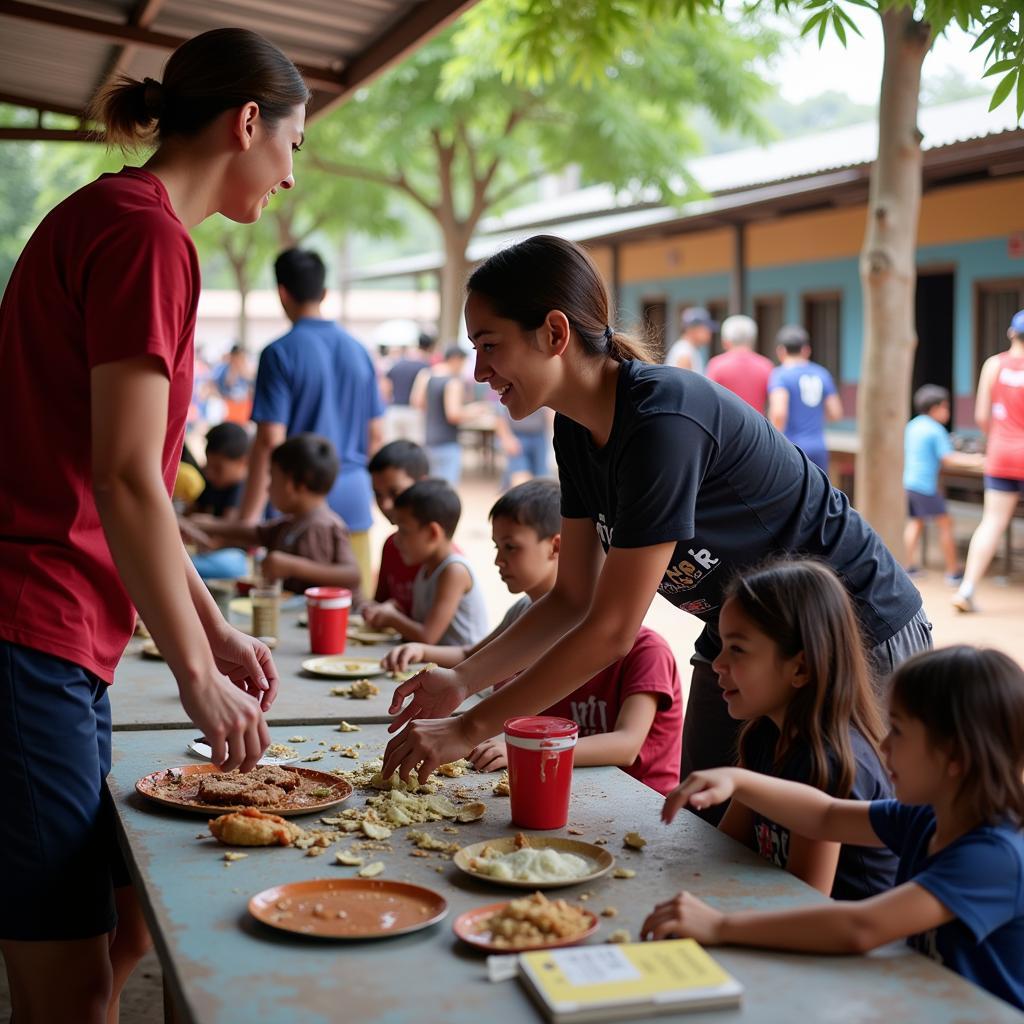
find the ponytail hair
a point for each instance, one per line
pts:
(211, 73)
(802, 606)
(528, 280)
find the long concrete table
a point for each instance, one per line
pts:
(145, 696)
(221, 967)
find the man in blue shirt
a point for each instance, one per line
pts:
(802, 395)
(317, 379)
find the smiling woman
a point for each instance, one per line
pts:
(96, 356)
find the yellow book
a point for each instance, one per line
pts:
(612, 982)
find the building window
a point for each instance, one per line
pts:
(996, 302)
(655, 318)
(769, 315)
(822, 318)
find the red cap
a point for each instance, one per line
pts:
(541, 727)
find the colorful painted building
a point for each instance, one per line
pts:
(778, 236)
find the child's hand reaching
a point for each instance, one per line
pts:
(490, 756)
(684, 917)
(700, 790)
(398, 658)
(380, 615)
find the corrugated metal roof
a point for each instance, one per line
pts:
(55, 54)
(809, 165)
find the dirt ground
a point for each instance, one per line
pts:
(1001, 602)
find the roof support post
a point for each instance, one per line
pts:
(738, 273)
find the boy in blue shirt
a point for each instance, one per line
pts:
(926, 449)
(802, 395)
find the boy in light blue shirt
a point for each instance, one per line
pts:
(926, 446)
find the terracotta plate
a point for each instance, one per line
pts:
(471, 927)
(341, 666)
(348, 908)
(602, 860)
(178, 787)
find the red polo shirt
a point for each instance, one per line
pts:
(110, 274)
(744, 373)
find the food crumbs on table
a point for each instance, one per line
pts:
(419, 853)
(575, 831)
(623, 873)
(314, 851)
(230, 856)
(601, 842)
(610, 912)
(350, 752)
(317, 756)
(372, 830)
(634, 841)
(439, 869)
(501, 787)
(321, 743)
(347, 727)
(372, 870)
(584, 896)
(298, 739)
(350, 860)
(451, 829)
(619, 935)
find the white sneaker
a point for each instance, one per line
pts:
(963, 603)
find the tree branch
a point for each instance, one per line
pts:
(398, 182)
(513, 187)
(481, 185)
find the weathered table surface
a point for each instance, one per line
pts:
(145, 696)
(222, 967)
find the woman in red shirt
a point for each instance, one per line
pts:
(96, 360)
(999, 411)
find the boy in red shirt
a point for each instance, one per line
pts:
(631, 713)
(393, 469)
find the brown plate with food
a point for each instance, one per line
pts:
(474, 927)
(352, 909)
(473, 859)
(205, 789)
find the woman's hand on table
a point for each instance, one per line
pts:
(230, 719)
(700, 790)
(247, 662)
(398, 658)
(490, 756)
(434, 692)
(422, 746)
(684, 917)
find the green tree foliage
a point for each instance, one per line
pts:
(461, 139)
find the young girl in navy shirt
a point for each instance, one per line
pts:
(955, 751)
(793, 669)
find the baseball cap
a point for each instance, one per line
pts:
(1017, 323)
(697, 316)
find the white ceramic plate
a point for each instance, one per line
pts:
(340, 666)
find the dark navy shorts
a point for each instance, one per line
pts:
(925, 506)
(59, 859)
(1004, 483)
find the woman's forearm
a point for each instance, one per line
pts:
(830, 928)
(142, 533)
(530, 636)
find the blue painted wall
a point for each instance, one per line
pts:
(971, 262)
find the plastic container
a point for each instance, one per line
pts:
(327, 609)
(266, 609)
(540, 752)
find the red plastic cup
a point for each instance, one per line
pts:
(540, 751)
(327, 610)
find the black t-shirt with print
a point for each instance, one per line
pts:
(862, 871)
(688, 461)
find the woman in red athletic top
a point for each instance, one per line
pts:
(96, 360)
(999, 411)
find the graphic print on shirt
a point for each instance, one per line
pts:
(688, 572)
(604, 531)
(772, 842)
(812, 389)
(591, 715)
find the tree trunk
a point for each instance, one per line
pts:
(243, 314)
(888, 275)
(453, 284)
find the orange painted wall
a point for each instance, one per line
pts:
(961, 213)
(685, 255)
(602, 256)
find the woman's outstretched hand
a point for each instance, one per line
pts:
(700, 790)
(434, 693)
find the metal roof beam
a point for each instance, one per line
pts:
(48, 135)
(116, 32)
(142, 16)
(34, 103)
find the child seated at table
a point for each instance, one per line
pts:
(447, 603)
(308, 545)
(227, 463)
(394, 469)
(955, 749)
(631, 713)
(792, 667)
